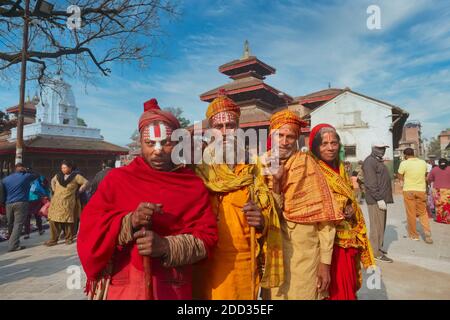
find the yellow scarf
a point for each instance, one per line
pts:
(349, 233)
(220, 178)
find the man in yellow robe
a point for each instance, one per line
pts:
(241, 200)
(309, 213)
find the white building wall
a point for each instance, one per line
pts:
(47, 129)
(371, 122)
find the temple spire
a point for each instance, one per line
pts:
(246, 50)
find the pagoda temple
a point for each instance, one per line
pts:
(29, 110)
(257, 99)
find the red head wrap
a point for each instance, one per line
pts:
(152, 113)
(315, 130)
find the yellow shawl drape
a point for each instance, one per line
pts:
(220, 178)
(349, 233)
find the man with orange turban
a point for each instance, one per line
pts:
(309, 213)
(147, 223)
(241, 200)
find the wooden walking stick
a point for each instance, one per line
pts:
(148, 274)
(253, 250)
(253, 261)
(148, 266)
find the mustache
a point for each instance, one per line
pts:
(158, 159)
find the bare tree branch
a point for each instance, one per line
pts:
(111, 31)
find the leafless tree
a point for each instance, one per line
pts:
(126, 31)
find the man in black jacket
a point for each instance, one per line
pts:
(378, 188)
(93, 185)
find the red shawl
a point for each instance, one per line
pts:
(186, 210)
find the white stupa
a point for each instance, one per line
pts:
(57, 115)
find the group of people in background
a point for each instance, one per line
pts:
(26, 194)
(419, 180)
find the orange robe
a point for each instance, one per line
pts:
(227, 274)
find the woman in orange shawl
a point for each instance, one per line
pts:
(351, 245)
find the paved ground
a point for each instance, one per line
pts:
(420, 271)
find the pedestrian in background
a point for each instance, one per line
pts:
(82, 199)
(64, 205)
(413, 172)
(94, 183)
(348, 168)
(17, 188)
(356, 186)
(359, 169)
(378, 188)
(431, 210)
(440, 178)
(38, 191)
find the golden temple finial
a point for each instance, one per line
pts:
(246, 50)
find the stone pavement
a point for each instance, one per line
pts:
(39, 272)
(419, 271)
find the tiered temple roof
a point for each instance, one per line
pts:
(257, 99)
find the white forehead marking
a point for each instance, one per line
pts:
(157, 132)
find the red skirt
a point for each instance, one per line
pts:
(344, 274)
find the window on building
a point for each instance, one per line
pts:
(65, 110)
(65, 121)
(349, 119)
(353, 119)
(350, 151)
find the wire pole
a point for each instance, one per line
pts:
(23, 76)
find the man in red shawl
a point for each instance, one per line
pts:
(147, 223)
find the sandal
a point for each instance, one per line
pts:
(50, 243)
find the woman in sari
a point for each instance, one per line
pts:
(351, 245)
(440, 177)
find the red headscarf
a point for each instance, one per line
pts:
(315, 130)
(313, 134)
(152, 113)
